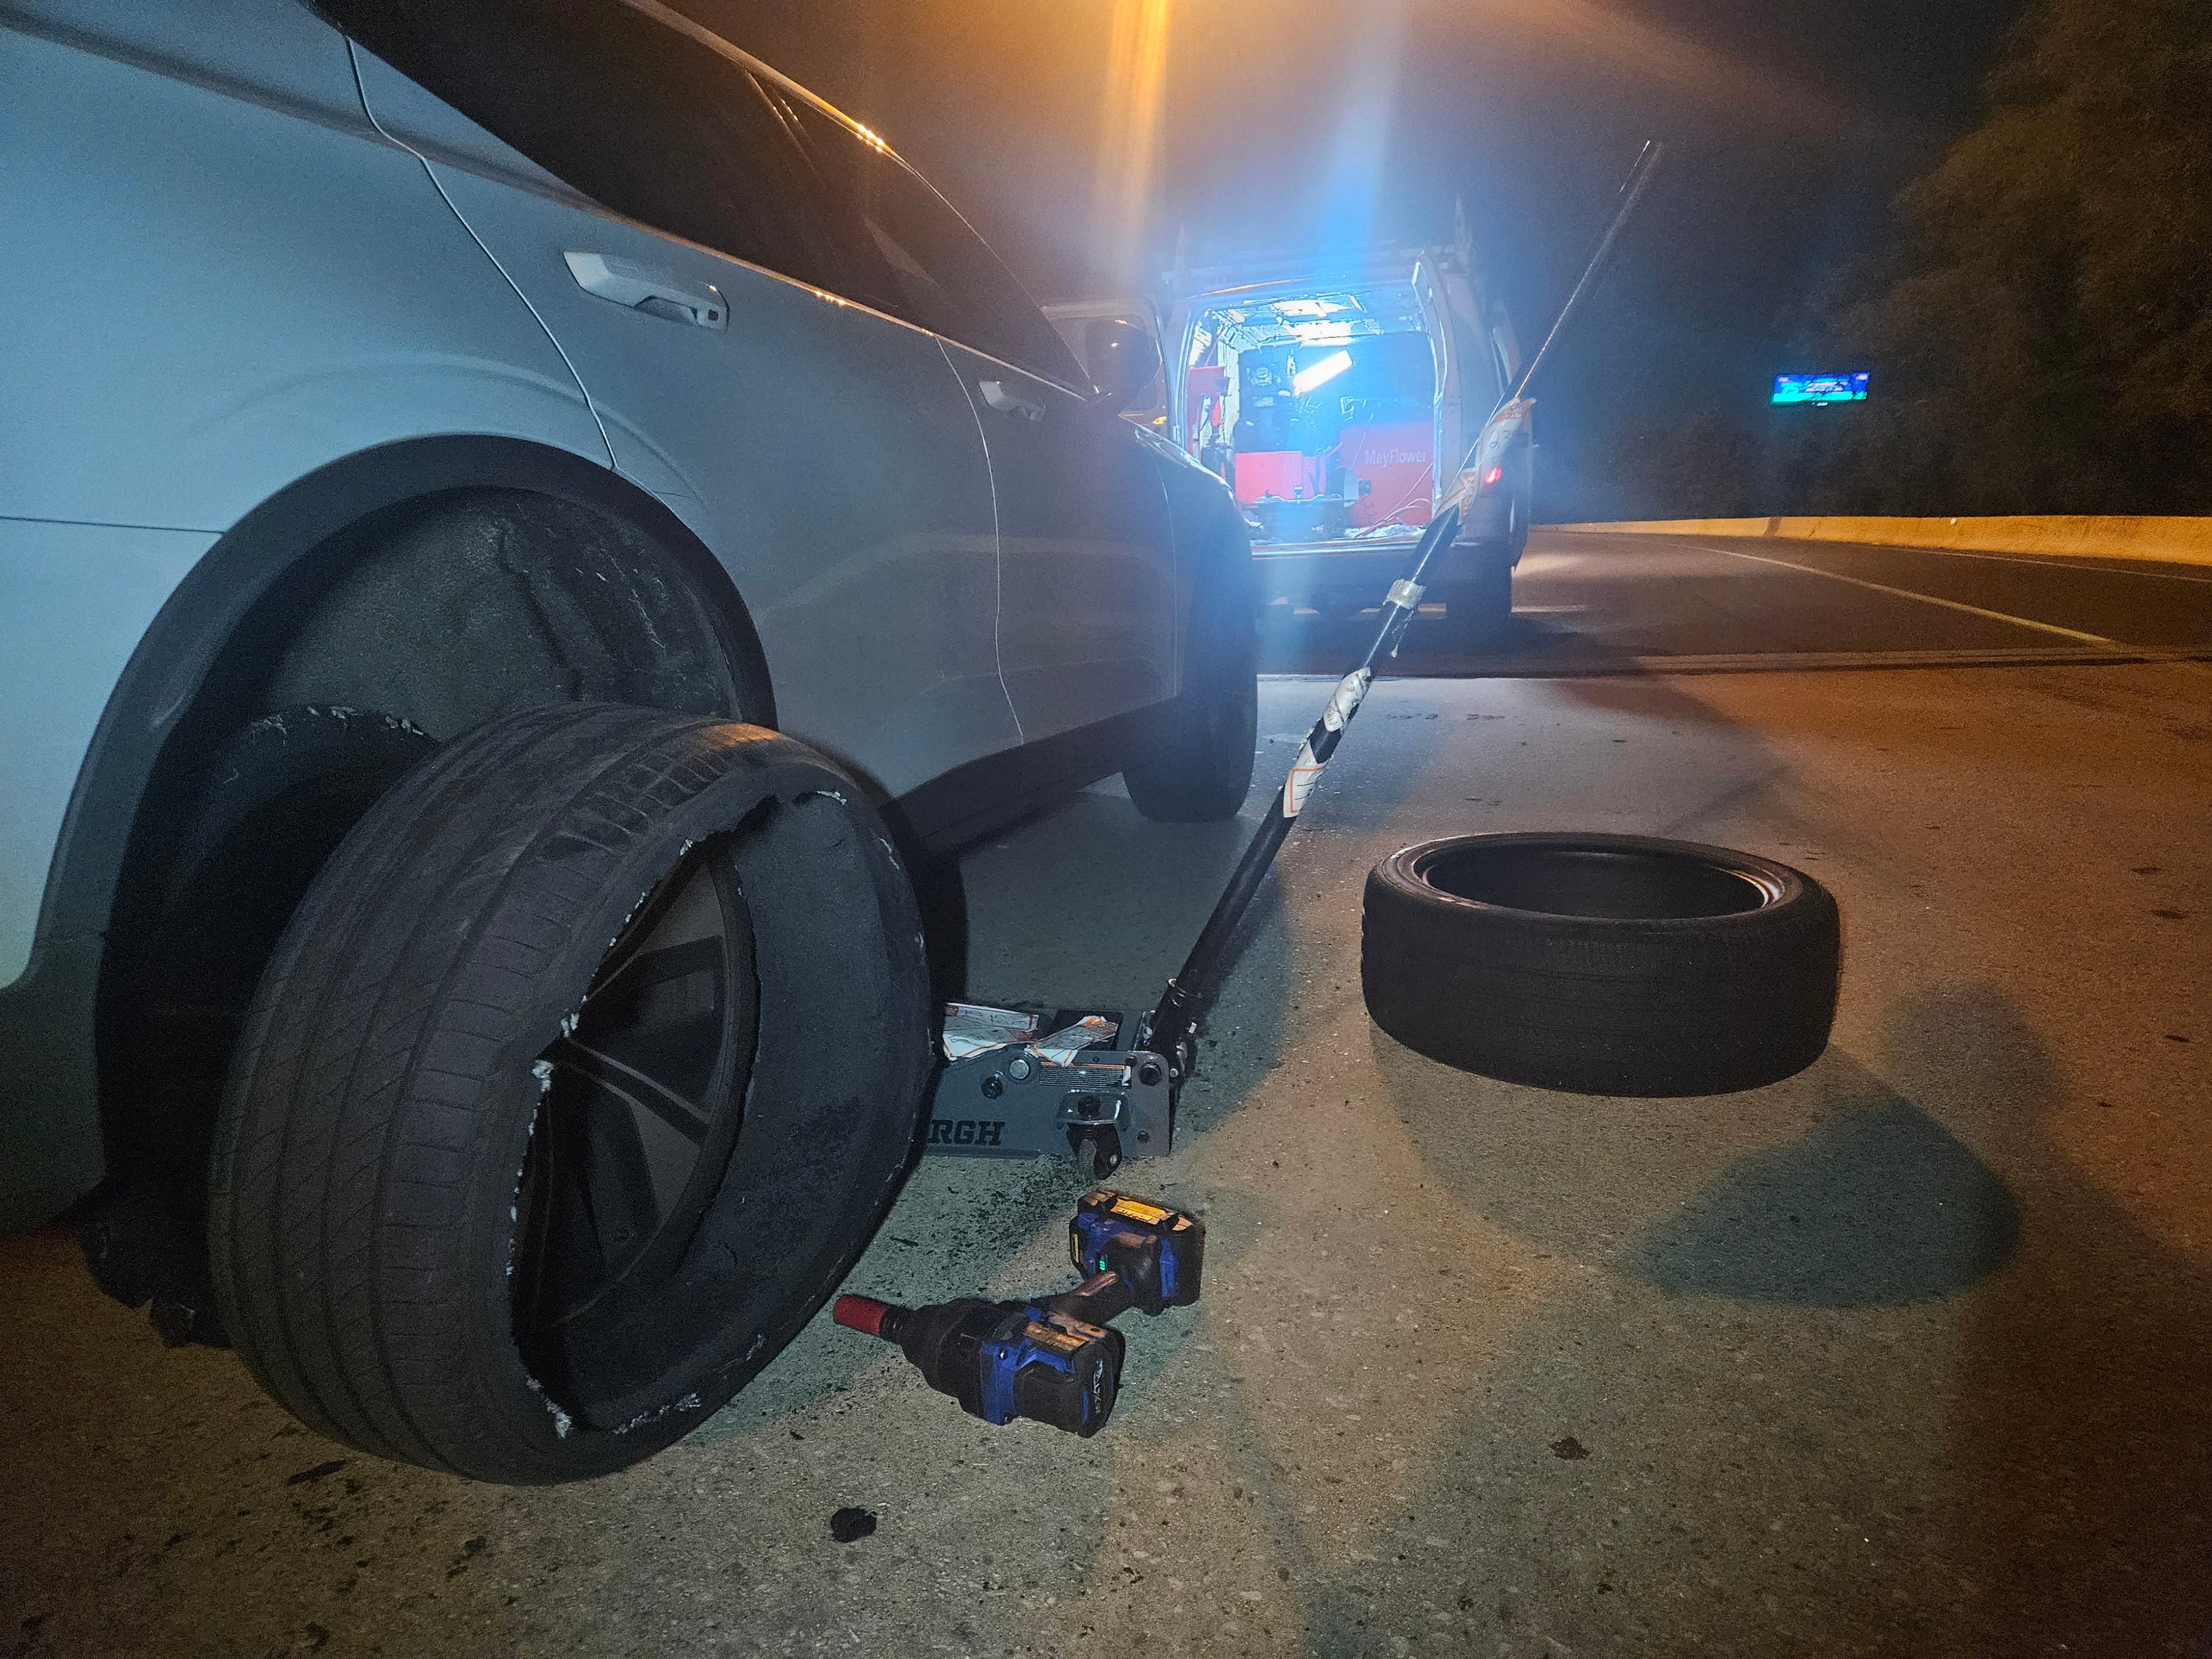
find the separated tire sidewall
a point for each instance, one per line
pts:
(417, 1357)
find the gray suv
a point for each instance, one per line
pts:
(520, 530)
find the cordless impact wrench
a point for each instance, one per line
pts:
(1053, 1360)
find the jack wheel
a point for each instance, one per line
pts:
(1099, 1154)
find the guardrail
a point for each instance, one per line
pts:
(2171, 540)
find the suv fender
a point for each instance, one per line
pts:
(263, 573)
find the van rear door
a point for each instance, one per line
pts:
(1468, 375)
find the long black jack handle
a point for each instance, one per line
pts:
(1170, 1030)
(1640, 175)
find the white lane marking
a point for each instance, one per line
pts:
(1930, 598)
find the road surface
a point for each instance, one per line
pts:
(1593, 604)
(1908, 1354)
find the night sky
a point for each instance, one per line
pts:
(1289, 122)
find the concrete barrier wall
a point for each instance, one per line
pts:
(2176, 541)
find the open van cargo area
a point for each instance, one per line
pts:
(1320, 410)
(1339, 399)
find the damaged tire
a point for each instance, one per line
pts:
(584, 1070)
(1601, 965)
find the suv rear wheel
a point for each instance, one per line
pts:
(580, 1078)
(1201, 767)
(1478, 606)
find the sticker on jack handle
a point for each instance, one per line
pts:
(1349, 690)
(1296, 786)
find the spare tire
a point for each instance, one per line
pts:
(1601, 965)
(583, 1072)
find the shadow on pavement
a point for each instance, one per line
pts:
(1305, 643)
(2078, 1433)
(1830, 1379)
(1878, 1203)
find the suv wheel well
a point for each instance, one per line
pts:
(413, 625)
(449, 611)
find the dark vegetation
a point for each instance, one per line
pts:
(1699, 465)
(2038, 322)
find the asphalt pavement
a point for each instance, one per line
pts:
(1910, 1354)
(1586, 603)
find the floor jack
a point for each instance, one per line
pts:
(1030, 1081)
(1055, 1360)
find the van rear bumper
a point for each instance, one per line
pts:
(1297, 571)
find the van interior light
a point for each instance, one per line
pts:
(1320, 374)
(1321, 333)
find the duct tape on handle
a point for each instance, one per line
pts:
(1406, 593)
(1345, 700)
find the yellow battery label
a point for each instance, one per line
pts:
(1137, 1209)
(1060, 1342)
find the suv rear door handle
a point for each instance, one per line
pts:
(1007, 401)
(642, 287)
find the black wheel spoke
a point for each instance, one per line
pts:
(625, 1207)
(561, 1242)
(644, 1090)
(642, 969)
(635, 942)
(634, 1088)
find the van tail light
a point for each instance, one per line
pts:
(1490, 477)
